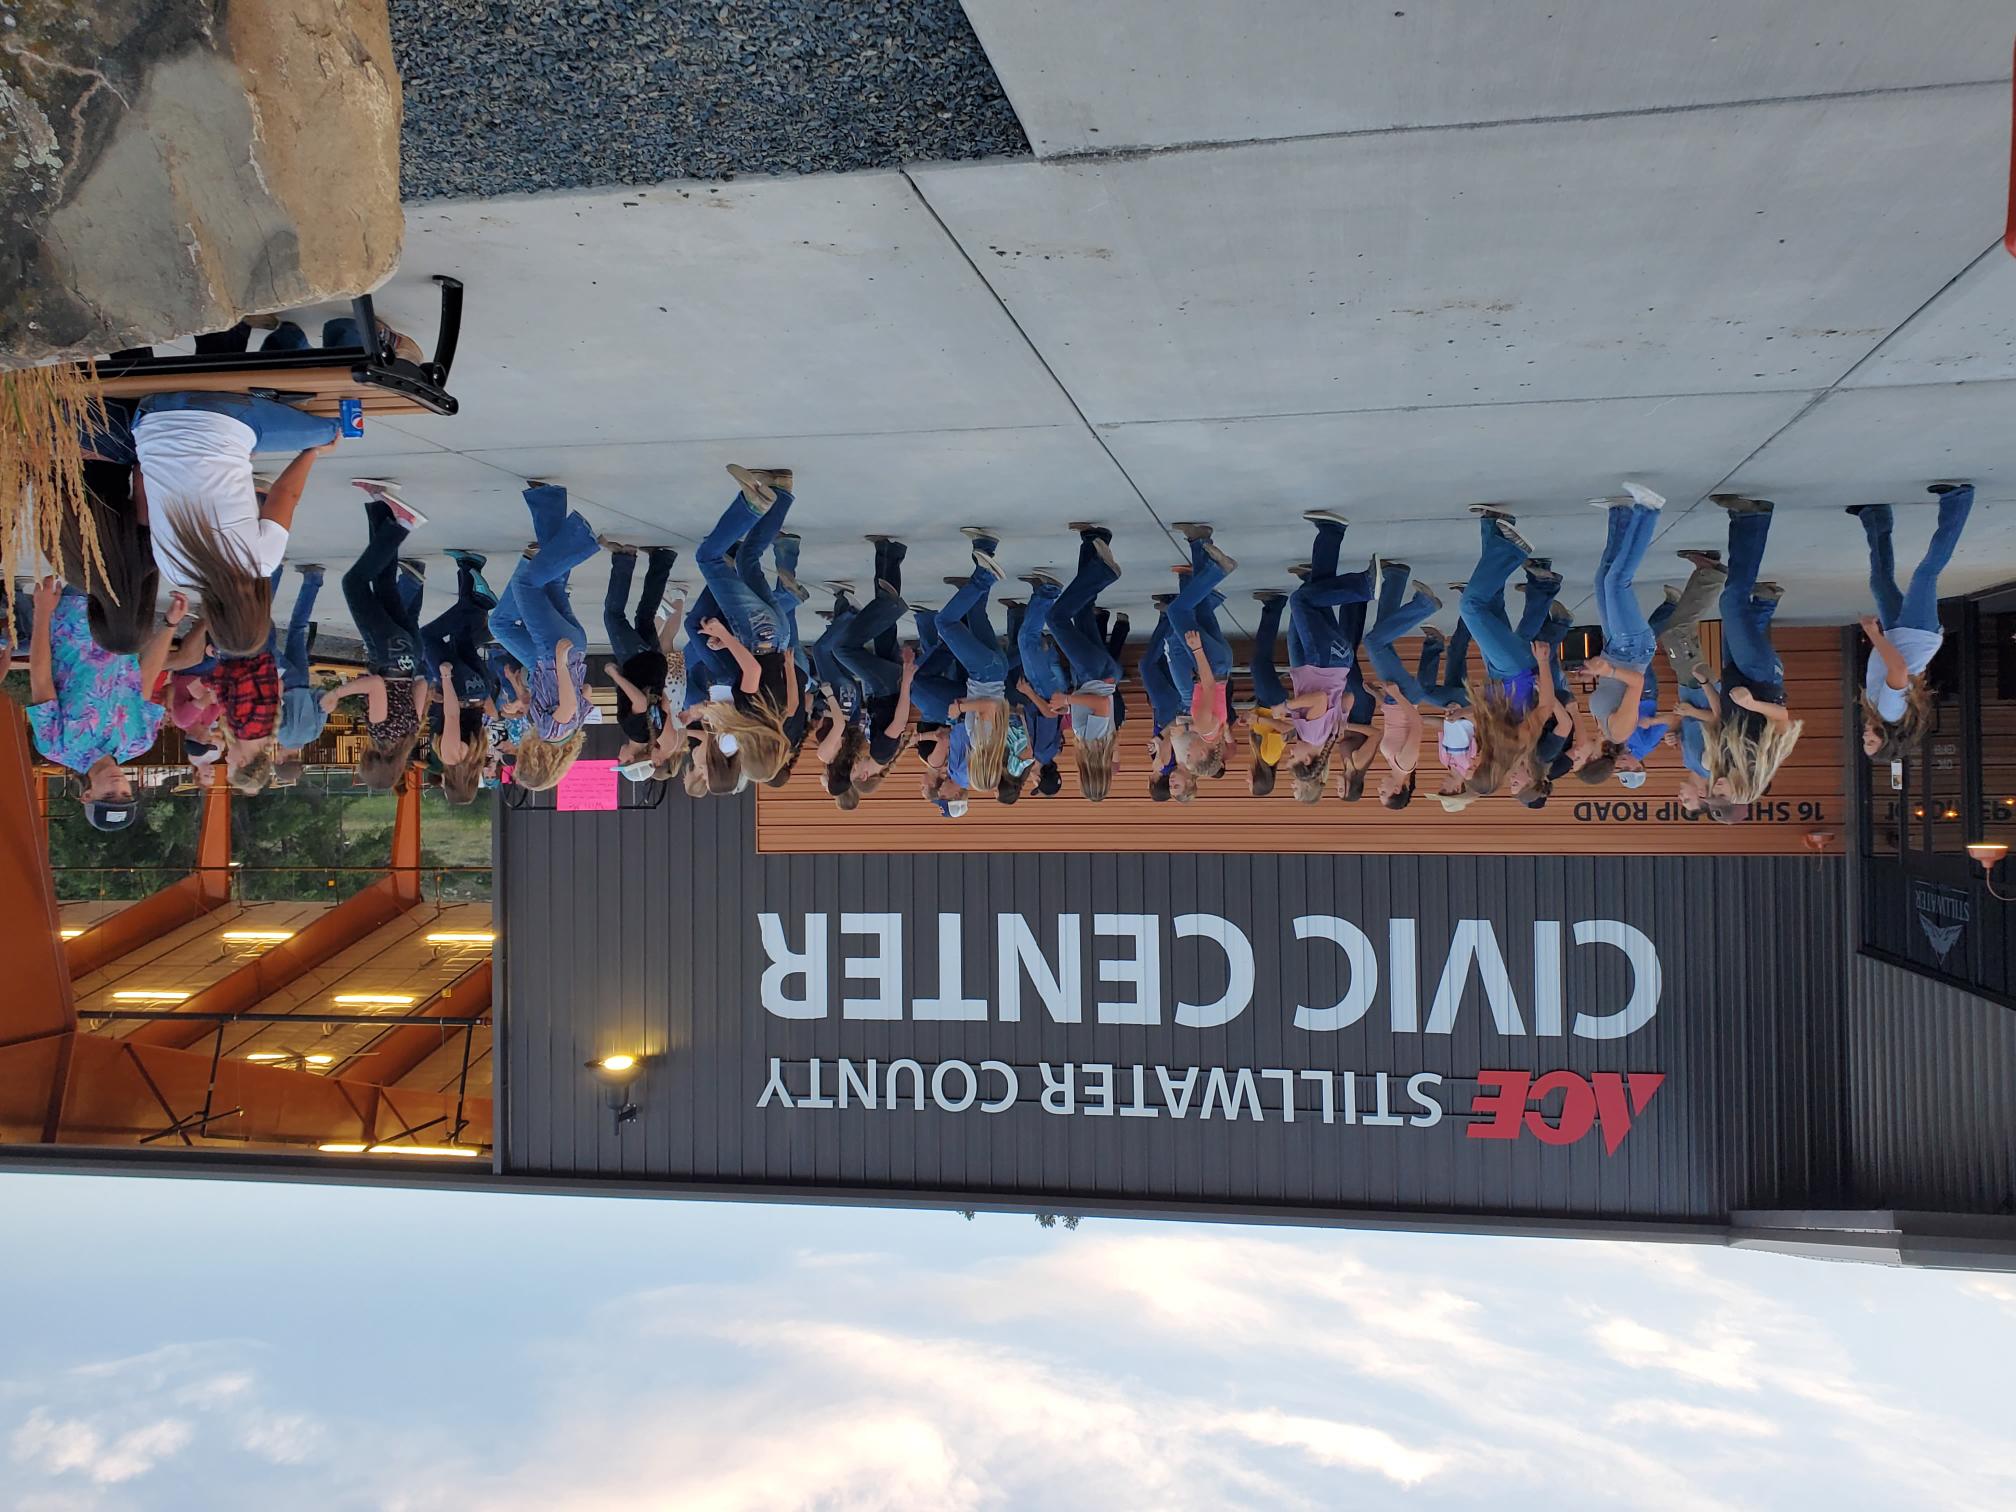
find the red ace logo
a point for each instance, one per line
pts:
(1514, 1102)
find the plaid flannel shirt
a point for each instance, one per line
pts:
(249, 689)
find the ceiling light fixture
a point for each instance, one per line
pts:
(462, 937)
(68, 934)
(374, 999)
(263, 935)
(459, 1152)
(150, 995)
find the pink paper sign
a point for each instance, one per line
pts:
(589, 786)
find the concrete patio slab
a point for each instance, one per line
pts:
(1749, 249)
(1968, 334)
(816, 306)
(1162, 73)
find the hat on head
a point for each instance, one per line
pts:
(111, 814)
(1632, 779)
(729, 745)
(637, 771)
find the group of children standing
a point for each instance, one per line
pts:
(724, 692)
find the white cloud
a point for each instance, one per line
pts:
(1346, 1444)
(1694, 1418)
(1722, 1361)
(59, 1446)
(288, 1439)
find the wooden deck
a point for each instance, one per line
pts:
(1808, 797)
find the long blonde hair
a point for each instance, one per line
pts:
(542, 763)
(462, 780)
(762, 751)
(237, 597)
(1898, 737)
(989, 751)
(1748, 762)
(380, 767)
(1504, 737)
(1095, 767)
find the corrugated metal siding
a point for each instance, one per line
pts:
(1932, 1093)
(640, 929)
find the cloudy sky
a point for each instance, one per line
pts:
(179, 1344)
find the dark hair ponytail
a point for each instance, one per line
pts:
(120, 579)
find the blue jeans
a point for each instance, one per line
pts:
(454, 639)
(866, 648)
(1073, 621)
(1397, 618)
(1193, 610)
(1917, 607)
(1541, 592)
(1165, 700)
(632, 634)
(826, 663)
(769, 532)
(378, 602)
(292, 652)
(1628, 638)
(967, 632)
(1506, 654)
(1455, 692)
(1317, 634)
(533, 613)
(1746, 619)
(746, 606)
(1041, 668)
(276, 427)
(1268, 690)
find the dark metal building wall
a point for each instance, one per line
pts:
(639, 930)
(1932, 1093)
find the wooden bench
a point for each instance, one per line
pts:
(315, 379)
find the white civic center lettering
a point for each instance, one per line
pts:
(1048, 959)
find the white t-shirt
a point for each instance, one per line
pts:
(1917, 647)
(199, 463)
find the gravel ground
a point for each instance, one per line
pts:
(504, 96)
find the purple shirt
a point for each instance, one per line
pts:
(542, 692)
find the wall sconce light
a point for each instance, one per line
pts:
(1989, 854)
(616, 1072)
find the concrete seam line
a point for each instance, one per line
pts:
(1119, 154)
(1071, 399)
(1827, 393)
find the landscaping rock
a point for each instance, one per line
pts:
(167, 166)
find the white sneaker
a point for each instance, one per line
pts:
(1645, 496)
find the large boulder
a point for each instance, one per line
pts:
(167, 166)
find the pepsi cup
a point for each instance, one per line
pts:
(350, 416)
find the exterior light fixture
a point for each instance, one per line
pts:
(616, 1071)
(1989, 854)
(374, 999)
(147, 995)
